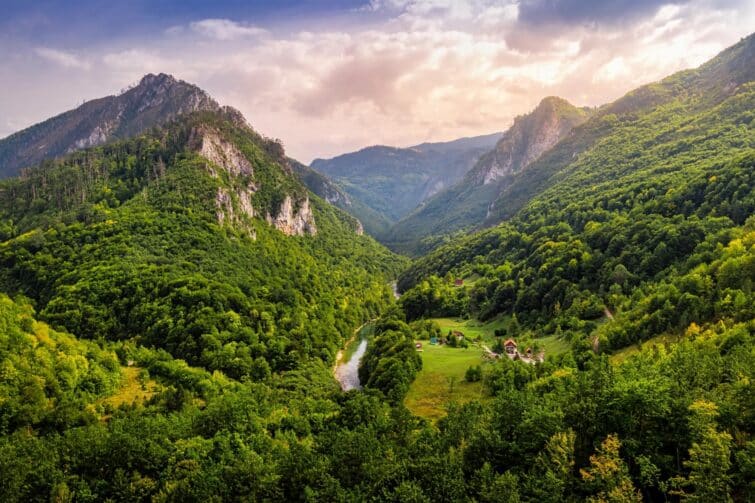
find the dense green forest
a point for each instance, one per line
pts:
(646, 224)
(145, 256)
(172, 307)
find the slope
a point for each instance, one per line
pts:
(645, 219)
(698, 89)
(328, 190)
(393, 181)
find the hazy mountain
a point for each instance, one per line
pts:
(154, 101)
(393, 181)
(466, 203)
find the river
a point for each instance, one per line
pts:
(348, 359)
(347, 371)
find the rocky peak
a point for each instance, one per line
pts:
(527, 139)
(155, 100)
(152, 80)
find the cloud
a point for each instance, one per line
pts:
(403, 71)
(225, 29)
(587, 11)
(63, 58)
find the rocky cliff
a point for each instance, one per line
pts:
(527, 139)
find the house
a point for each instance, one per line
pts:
(459, 335)
(433, 340)
(459, 282)
(510, 347)
(418, 345)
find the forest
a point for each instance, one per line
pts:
(166, 334)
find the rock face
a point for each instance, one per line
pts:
(234, 203)
(294, 221)
(224, 154)
(527, 139)
(156, 100)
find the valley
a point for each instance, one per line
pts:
(563, 311)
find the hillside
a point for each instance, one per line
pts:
(155, 100)
(467, 203)
(693, 90)
(196, 238)
(187, 314)
(645, 212)
(391, 182)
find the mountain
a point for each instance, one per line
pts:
(172, 306)
(393, 181)
(697, 89)
(195, 228)
(155, 100)
(466, 203)
(644, 211)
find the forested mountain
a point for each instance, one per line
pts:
(393, 181)
(467, 203)
(328, 190)
(694, 90)
(196, 238)
(172, 306)
(642, 217)
(155, 100)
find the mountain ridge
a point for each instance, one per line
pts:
(155, 100)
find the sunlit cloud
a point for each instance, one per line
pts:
(401, 72)
(63, 58)
(225, 29)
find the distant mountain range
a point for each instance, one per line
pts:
(392, 181)
(411, 198)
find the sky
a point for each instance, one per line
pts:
(328, 77)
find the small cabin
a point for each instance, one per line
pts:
(458, 282)
(418, 345)
(509, 346)
(459, 335)
(433, 340)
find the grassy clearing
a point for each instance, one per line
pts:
(472, 329)
(131, 389)
(432, 390)
(660, 340)
(553, 345)
(441, 380)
